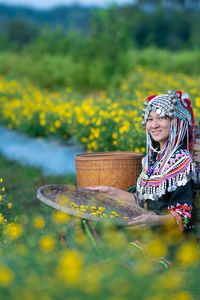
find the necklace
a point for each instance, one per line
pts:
(157, 151)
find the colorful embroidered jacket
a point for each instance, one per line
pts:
(171, 188)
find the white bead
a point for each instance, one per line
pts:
(158, 111)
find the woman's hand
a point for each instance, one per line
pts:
(104, 189)
(122, 195)
(149, 220)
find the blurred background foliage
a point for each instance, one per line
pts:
(94, 48)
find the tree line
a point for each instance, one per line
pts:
(100, 46)
(172, 25)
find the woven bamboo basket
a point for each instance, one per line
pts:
(196, 155)
(196, 148)
(116, 169)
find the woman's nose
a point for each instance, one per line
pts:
(155, 124)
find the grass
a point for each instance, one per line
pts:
(22, 183)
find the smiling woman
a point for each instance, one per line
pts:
(169, 173)
(159, 128)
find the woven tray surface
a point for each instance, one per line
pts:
(90, 205)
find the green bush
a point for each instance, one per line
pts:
(95, 73)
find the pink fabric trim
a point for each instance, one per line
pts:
(184, 212)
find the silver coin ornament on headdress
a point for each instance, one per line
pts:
(168, 105)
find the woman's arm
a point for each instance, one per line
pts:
(149, 220)
(122, 195)
(179, 211)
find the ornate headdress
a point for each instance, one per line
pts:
(176, 106)
(171, 105)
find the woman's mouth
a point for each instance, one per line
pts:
(156, 132)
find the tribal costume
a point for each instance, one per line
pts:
(167, 180)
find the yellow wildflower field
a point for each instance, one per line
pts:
(103, 121)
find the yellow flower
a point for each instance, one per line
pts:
(197, 101)
(124, 86)
(114, 135)
(3, 189)
(14, 230)
(93, 207)
(1, 218)
(42, 115)
(157, 248)
(6, 275)
(42, 122)
(46, 243)
(9, 205)
(101, 208)
(57, 124)
(183, 295)
(193, 91)
(170, 281)
(94, 213)
(187, 254)
(84, 139)
(1, 179)
(68, 89)
(39, 222)
(115, 214)
(51, 129)
(1, 197)
(69, 267)
(60, 217)
(83, 209)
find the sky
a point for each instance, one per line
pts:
(52, 3)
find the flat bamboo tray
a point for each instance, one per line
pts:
(115, 169)
(90, 205)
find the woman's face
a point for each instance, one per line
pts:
(159, 128)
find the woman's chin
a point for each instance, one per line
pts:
(156, 138)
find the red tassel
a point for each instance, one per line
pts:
(191, 110)
(179, 92)
(192, 130)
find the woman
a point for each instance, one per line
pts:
(169, 173)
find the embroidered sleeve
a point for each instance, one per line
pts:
(180, 205)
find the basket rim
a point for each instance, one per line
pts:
(112, 155)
